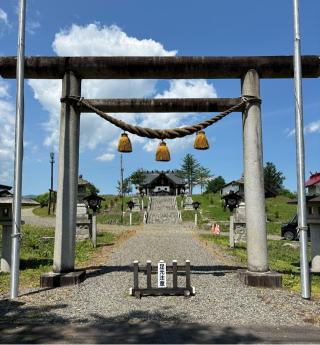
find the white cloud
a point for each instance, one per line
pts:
(312, 127)
(106, 157)
(178, 89)
(94, 39)
(173, 145)
(185, 88)
(289, 132)
(48, 93)
(97, 40)
(4, 88)
(32, 26)
(3, 17)
(7, 124)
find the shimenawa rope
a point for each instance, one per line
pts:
(152, 133)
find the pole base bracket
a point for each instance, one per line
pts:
(270, 279)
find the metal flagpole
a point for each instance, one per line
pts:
(302, 216)
(121, 184)
(18, 157)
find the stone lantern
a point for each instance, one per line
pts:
(196, 205)
(6, 222)
(6, 200)
(94, 203)
(313, 220)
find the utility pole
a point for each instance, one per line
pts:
(18, 156)
(51, 181)
(302, 209)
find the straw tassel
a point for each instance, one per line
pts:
(201, 141)
(162, 154)
(124, 144)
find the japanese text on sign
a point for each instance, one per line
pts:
(162, 274)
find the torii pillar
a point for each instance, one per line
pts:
(258, 273)
(66, 210)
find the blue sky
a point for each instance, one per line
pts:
(144, 27)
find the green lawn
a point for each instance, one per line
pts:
(278, 210)
(42, 212)
(110, 212)
(114, 203)
(37, 252)
(283, 259)
(116, 218)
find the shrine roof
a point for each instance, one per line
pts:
(314, 179)
(150, 176)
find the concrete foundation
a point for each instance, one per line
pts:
(52, 279)
(266, 279)
(315, 247)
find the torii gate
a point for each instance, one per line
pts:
(247, 69)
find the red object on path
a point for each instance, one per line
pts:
(215, 229)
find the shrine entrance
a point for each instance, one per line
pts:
(249, 70)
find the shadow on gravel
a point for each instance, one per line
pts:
(20, 323)
(34, 263)
(215, 270)
(23, 324)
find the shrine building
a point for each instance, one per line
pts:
(162, 183)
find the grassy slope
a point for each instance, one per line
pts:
(283, 259)
(211, 209)
(37, 253)
(42, 212)
(110, 212)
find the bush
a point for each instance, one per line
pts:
(43, 199)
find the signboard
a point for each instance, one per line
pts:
(162, 274)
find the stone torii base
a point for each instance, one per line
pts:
(52, 280)
(269, 279)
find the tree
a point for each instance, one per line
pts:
(203, 177)
(137, 177)
(189, 170)
(215, 184)
(92, 189)
(43, 199)
(126, 187)
(273, 179)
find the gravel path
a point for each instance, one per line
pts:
(220, 299)
(29, 217)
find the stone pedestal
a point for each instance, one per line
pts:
(83, 222)
(52, 280)
(6, 248)
(268, 279)
(315, 247)
(237, 230)
(136, 206)
(188, 203)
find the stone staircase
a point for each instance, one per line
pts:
(163, 210)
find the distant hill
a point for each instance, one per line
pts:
(30, 196)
